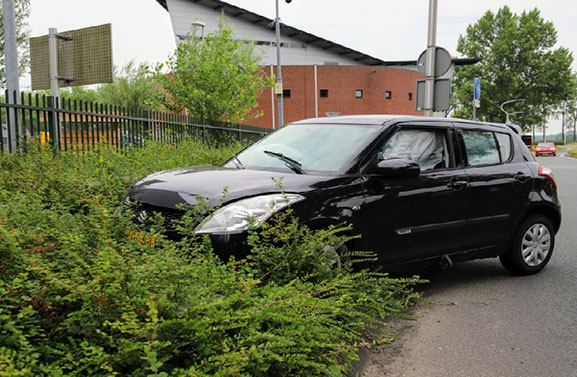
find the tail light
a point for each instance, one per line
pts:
(547, 173)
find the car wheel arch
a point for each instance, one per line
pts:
(550, 213)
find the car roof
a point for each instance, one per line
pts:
(382, 119)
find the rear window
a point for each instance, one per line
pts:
(504, 141)
(486, 147)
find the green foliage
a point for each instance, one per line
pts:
(519, 61)
(215, 77)
(21, 13)
(78, 297)
(134, 88)
(79, 93)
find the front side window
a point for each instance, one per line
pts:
(428, 148)
(481, 147)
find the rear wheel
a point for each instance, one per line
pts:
(532, 246)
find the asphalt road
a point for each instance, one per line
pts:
(478, 320)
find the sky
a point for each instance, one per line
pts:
(385, 29)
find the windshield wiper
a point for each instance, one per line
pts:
(236, 161)
(292, 164)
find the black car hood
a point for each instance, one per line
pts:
(184, 186)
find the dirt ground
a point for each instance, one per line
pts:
(387, 359)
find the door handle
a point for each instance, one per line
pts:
(457, 185)
(521, 177)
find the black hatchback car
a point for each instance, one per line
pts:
(427, 190)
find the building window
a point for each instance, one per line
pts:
(324, 93)
(410, 96)
(286, 93)
(388, 95)
(358, 93)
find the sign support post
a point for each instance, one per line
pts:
(476, 97)
(431, 54)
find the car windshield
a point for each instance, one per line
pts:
(312, 147)
(546, 145)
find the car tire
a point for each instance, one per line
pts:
(532, 246)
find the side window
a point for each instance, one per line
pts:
(428, 148)
(481, 147)
(504, 141)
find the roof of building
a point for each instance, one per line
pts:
(291, 32)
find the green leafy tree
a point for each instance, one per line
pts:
(21, 12)
(215, 77)
(135, 88)
(571, 118)
(79, 93)
(519, 61)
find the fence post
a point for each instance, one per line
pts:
(150, 125)
(53, 121)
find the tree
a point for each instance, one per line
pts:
(571, 117)
(21, 12)
(519, 61)
(215, 77)
(134, 88)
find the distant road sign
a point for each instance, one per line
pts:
(443, 62)
(477, 88)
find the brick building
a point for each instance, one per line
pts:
(325, 90)
(320, 78)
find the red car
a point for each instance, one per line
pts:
(545, 149)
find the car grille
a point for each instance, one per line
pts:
(147, 217)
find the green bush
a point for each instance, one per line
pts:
(78, 297)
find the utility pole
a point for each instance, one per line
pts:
(12, 75)
(431, 54)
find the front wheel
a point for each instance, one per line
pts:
(532, 247)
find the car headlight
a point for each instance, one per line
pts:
(244, 213)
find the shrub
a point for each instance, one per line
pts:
(79, 298)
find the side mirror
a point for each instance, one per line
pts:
(398, 168)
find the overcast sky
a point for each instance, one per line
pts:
(385, 29)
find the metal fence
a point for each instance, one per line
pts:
(81, 126)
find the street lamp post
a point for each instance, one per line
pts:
(507, 120)
(201, 25)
